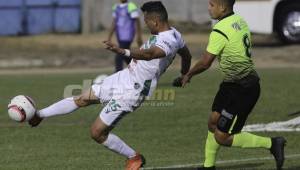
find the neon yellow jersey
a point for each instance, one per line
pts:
(230, 41)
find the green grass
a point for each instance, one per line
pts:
(165, 135)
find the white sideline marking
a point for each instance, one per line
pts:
(221, 162)
(292, 125)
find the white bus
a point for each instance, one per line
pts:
(272, 16)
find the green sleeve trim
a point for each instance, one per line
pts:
(146, 88)
(220, 32)
(132, 7)
(114, 7)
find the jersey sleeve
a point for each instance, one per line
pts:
(181, 43)
(163, 44)
(114, 7)
(179, 39)
(133, 10)
(216, 43)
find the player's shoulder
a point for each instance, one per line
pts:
(114, 7)
(227, 22)
(132, 7)
(172, 38)
(230, 26)
(172, 34)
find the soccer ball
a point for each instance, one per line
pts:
(21, 108)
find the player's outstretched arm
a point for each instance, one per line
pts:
(138, 54)
(185, 65)
(203, 64)
(147, 54)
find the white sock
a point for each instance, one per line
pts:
(62, 107)
(115, 144)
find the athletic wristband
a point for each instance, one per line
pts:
(127, 53)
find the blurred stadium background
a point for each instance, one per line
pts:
(34, 16)
(47, 45)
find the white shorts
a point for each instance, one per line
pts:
(120, 96)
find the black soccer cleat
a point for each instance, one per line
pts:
(177, 82)
(35, 121)
(277, 150)
(207, 168)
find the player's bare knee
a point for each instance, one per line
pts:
(211, 126)
(219, 139)
(223, 138)
(80, 101)
(98, 135)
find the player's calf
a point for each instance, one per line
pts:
(99, 136)
(99, 131)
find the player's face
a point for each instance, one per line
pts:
(215, 9)
(123, 1)
(151, 23)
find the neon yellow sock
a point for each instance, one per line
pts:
(211, 149)
(248, 140)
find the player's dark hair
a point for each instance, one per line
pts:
(230, 3)
(156, 7)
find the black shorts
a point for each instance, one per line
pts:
(235, 101)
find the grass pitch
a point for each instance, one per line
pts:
(166, 135)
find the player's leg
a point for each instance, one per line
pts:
(100, 132)
(233, 118)
(242, 139)
(211, 145)
(249, 140)
(65, 106)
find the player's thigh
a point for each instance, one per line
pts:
(222, 101)
(86, 98)
(113, 112)
(239, 102)
(247, 101)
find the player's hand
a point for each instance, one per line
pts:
(186, 79)
(177, 82)
(113, 47)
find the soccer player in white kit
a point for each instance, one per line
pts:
(125, 90)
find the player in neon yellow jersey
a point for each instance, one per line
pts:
(230, 43)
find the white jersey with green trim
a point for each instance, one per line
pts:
(170, 42)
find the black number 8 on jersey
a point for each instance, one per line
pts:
(247, 45)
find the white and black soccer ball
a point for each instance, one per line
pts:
(21, 108)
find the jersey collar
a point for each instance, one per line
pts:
(228, 15)
(170, 29)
